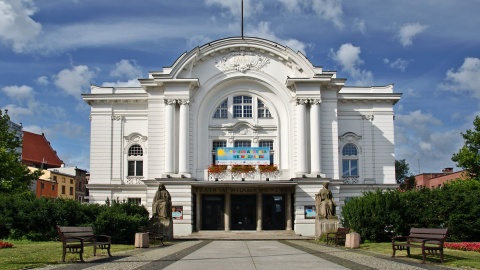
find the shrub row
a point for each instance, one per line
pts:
(23, 216)
(379, 215)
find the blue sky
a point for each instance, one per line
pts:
(51, 51)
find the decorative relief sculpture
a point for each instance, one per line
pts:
(242, 61)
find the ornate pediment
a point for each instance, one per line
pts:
(241, 61)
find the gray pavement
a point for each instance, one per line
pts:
(246, 255)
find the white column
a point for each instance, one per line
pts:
(183, 137)
(259, 211)
(301, 138)
(228, 211)
(288, 210)
(315, 138)
(169, 133)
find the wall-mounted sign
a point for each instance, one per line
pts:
(310, 212)
(177, 212)
(242, 155)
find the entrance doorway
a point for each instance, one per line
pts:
(273, 215)
(244, 212)
(213, 209)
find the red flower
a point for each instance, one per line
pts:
(5, 244)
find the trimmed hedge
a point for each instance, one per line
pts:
(379, 215)
(23, 216)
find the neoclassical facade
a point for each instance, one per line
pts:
(241, 92)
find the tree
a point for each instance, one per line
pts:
(14, 176)
(402, 170)
(468, 157)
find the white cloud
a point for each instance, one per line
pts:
(17, 28)
(330, 10)
(129, 83)
(464, 79)
(348, 57)
(74, 81)
(400, 63)
(408, 31)
(17, 112)
(43, 80)
(19, 93)
(127, 69)
(263, 31)
(234, 7)
(360, 25)
(294, 5)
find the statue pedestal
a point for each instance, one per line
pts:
(323, 225)
(167, 228)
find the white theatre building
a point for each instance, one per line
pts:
(241, 92)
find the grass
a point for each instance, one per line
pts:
(455, 258)
(27, 254)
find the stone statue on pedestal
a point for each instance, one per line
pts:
(324, 203)
(162, 212)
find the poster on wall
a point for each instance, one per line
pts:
(310, 211)
(242, 155)
(177, 212)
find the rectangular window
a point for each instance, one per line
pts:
(131, 168)
(53, 188)
(71, 191)
(139, 168)
(350, 167)
(137, 201)
(71, 181)
(63, 189)
(42, 185)
(243, 144)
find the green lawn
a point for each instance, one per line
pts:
(456, 258)
(28, 254)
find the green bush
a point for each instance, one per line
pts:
(23, 216)
(379, 215)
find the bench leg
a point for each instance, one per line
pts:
(81, 257)
(408, 251)
(108, 250)
(441, 255)
(393, 252)
(423, 256)
(63, 254)
(94, 250)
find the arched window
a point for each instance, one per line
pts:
(135, 160)
(263, 111)
(222, 110)
(349, 160)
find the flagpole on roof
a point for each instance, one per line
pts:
(242, 19)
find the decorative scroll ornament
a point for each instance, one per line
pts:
(170, 101)
(242, 61)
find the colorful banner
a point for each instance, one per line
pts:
(242, 155)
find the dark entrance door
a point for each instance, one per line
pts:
(273, 215)
(213, 209)
(244, 212)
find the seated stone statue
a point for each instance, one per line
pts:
(324, 202)
(162, 204)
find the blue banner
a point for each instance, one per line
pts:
(242, 155)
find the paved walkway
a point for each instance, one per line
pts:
(246, 255)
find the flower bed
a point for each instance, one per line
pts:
(466, 246)
(217, 169)
(236, 169)
(5, 244)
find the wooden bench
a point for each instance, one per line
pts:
(429, 240)
(153, 236)
(336, 237)
(75, 239)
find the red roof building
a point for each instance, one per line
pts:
(37, 152)
(434, 180)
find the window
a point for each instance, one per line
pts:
(135, 160)
(222, 110)
(63, 189)
(42, 185)
(71, 181)
(263, 111)
(215, 145)
(53, 188)
(242, 106)
(71, 191)
(243, 144)
(269, 144)
(349, 160)
(137, 201)
(55, 178)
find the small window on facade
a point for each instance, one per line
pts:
(71, 191)
(136, 201)
(53, 188)
(349, 160)
(71, 181)
(242, 106)
(263, 111)
(63, 189)
(243, 144)
(42, 185)
(222, 110)
(135, 160)
(215, 145)
(268, 143)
